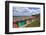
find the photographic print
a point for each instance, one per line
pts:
(24, 17)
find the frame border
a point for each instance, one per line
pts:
(7, 16)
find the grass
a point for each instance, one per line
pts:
(35, 23)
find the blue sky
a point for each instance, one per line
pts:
(25, 11)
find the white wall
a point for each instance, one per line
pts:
(2, 17)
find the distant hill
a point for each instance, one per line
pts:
(36, 22)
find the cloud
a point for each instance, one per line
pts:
(25, 11)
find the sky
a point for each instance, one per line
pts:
(25, 11)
